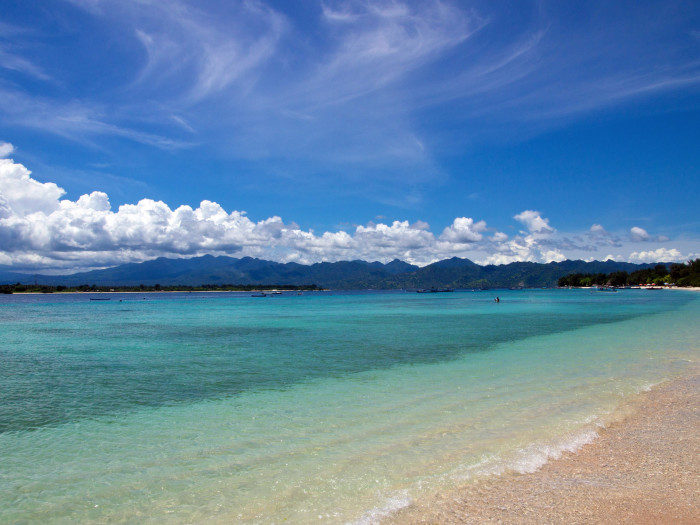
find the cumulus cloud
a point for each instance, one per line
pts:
(534, 222)
(553, 256)
(38, 227)
(658, 255)
(24, 195)
(597, 237)
(40, 230)
(464, 230)
(639, 234)
(534, 245)
(6, 149)
(600, 236)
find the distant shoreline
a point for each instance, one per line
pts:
(690, 288)
(263, 290)
(91, 292)
(300, 289)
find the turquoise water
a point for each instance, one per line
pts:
(319, 408)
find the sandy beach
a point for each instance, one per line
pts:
(643, 469)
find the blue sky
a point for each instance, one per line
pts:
(324, 130)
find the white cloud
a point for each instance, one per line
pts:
(390, 39)
(658, 255)
(464, 230)
(341, 86)
(6, 149)
(247, 68)
(553, 256)
(534, 222)
(400, 238)
(16, 63)
(24, 195)
(79, 121)
(255, 63)
(639, 234)
(518, 249)
(41, 230)
(598, 234)
(537, 244)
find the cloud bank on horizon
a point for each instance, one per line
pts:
(522, 130)
(41, 231)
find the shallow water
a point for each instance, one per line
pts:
(323, 408)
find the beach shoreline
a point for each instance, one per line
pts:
(642, 469)
(117, 292)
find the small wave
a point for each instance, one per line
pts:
(648, 387)
(531, 458)
(391, 505)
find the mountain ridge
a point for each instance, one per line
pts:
(207, 269)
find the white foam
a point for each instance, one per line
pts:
(647, 387)
(532, 458)
(529, 459)
(393, 504)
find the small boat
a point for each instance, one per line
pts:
(259, 295)
(606, 289)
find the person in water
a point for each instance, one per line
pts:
(497, 300)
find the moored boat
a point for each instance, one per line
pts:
(605, 289)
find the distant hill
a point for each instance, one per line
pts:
(449, 273)
(463, 273)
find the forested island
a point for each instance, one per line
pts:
(687, 274)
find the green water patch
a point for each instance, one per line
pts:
(340, 449)
(64, 360)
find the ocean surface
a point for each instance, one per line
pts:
(324, 407)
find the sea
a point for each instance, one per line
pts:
(313, 407)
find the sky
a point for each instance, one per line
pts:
(331, 130)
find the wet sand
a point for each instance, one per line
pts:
(643, 469)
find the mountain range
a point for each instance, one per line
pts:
(348, 275)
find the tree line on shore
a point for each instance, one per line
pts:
(38, 288)
(687, 274)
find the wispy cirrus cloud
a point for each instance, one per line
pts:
(360, 92)
(11, 52)
(75, 120)
(16, 63)
(203, 53)
(248, 80)
(190, 55)
(265, 63)
(374, 44)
